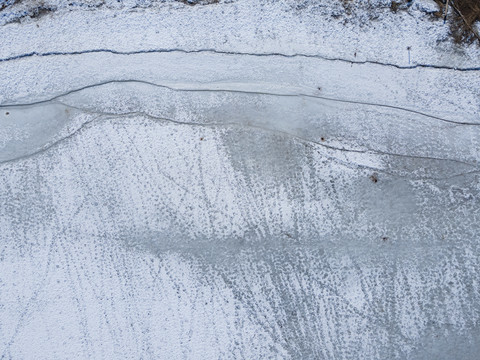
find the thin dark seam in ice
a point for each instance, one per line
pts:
(225, 52)
(239, 92)
(274, 131)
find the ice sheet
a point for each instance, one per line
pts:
(193, 183)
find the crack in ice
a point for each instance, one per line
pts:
(226, 52)
(109, 115)
(236, 91)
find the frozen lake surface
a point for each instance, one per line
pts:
(243, 179)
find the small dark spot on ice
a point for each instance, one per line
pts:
(201, 139)
(7, 113)
(322, 138)
(385, 238)
(374, 177)
(319, 88)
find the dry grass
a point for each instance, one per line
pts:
(462, 18)
(398, 5)
(199, 2)
(3, 5)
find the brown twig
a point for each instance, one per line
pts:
(445, 13)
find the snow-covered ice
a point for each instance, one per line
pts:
(242, 179)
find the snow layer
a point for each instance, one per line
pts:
(240, 180)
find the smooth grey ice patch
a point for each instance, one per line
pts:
(340, 126)
(26, 129)
(456, 96)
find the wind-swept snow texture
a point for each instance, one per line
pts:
(237, 180)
